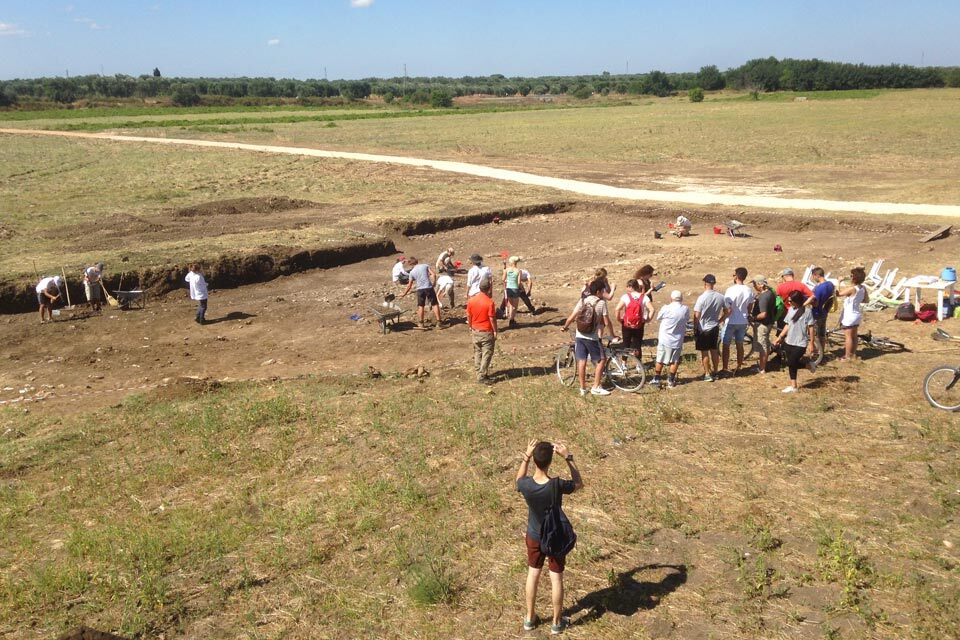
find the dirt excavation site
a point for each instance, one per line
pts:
(319, 321)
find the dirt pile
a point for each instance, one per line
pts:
(434, 225)
(243, 205)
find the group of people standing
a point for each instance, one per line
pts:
(788, 318)
(434, 286)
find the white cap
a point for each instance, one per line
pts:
(676, 294)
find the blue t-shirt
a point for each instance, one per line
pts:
(822, 294)
(420, 274)
(539, 497)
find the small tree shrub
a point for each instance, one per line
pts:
(695, 94)
(185, 95)
(583, 92)
(440, 99)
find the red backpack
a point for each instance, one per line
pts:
(633, 314)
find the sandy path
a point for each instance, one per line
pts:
(574, 186)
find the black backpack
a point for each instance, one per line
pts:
(557, 537)
(906, 311)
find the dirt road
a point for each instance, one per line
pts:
(701, 198)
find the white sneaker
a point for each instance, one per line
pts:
(583, 392)
(599, 391)
(790, 389)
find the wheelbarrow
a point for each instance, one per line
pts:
(132, 298)
(387, 314)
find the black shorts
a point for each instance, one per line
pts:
(708, 340)
(426, 295)
(632, 338)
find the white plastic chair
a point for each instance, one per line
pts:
(885, 282)
(873, 278)
(892, 292)
(807, 277)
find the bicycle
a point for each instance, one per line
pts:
(623, 369)
(941, 386)
(836, 339)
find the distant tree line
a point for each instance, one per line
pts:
(762, 74)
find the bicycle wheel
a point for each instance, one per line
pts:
(941, 388)
(566, 366)
(749, 345)
(885, 344)
(625, 372)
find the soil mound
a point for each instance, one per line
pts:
(243, 205)
(434, 225)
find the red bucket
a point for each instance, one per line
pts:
(717, 231)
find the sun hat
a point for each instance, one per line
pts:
(761, 280)
(676, 294)
(786, 272)
(710, 278)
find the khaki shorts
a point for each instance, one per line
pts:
(763, 339)
(92, 289)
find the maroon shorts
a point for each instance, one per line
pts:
(535, 557)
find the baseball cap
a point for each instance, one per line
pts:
(710, 278)
(762, 280)
(786, 272)
(676, 294)
(476, 258)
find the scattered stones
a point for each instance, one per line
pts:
(267, 363)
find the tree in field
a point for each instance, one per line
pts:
(710, 79)
(184, 95)
(658, 83)
(440, 99)
(524, 88)
(7, 97)
(156, 72)
(355, 90)
(952, 77)
(695, 94)
(583, 92)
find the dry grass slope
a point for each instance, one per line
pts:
(354, 507)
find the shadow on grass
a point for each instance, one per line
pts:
(628, 595)
(522, 372)
(233, 315)
(825, 381)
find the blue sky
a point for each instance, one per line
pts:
(365, 38)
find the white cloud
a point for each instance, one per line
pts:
(90, 22)
(272, 42)
(68, 8)
(7, 29)
(360, 4)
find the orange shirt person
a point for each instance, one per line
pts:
(482, 320)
